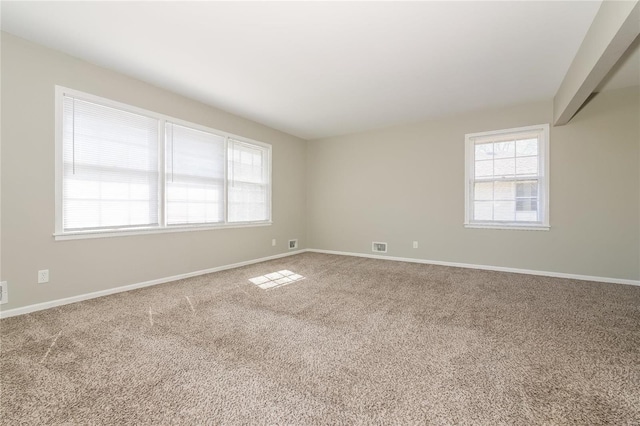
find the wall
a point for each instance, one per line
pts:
(407, 183)
(29, 73)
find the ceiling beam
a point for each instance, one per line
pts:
(615, 27)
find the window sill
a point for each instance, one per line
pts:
(528, 227)
(80, 235)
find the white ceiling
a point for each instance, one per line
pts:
(318, 69)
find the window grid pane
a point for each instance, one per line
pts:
(506, 159)
(506, 200)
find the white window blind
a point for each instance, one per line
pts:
(110, 167)
(195, 163)
(507, 178)
(248, 182)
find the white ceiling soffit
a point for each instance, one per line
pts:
(319, 69)
(626, 72)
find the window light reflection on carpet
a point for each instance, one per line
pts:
(276, 279)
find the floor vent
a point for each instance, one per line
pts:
(379, 247)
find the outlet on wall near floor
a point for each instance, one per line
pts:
(4, 292)
(293, 244)
(43, 276)
(273, 242)
(415, 244)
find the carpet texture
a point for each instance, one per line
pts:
(358, 341)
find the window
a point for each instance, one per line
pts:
(507, 178)
(248, 181)
(110, 167)
(194, 176)
(120, 169)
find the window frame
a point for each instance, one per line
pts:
(163, 227)
(471, 139)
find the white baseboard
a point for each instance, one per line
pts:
(81, 297)
(59, 302)
(485, 267)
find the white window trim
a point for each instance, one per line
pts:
(470, 141)
(61, 235)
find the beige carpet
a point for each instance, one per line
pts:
(358, 341)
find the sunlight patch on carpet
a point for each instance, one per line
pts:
(276, 279)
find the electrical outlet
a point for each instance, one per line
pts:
(43, 276)
(273, 242)
(4, 292)
(415, 244)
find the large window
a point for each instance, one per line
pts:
(507, 178)
(121, 169)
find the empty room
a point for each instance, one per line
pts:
(294, 213)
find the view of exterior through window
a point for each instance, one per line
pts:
(507, 178)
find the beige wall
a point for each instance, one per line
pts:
(407, 183)
(29, 73)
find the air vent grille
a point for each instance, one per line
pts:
(378, 247)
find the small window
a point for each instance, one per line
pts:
(123, 170)
(507, 178)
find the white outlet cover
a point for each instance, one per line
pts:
(273, 242)
(4, 292)
(43, 276)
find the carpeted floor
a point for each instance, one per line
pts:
(358, 341)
